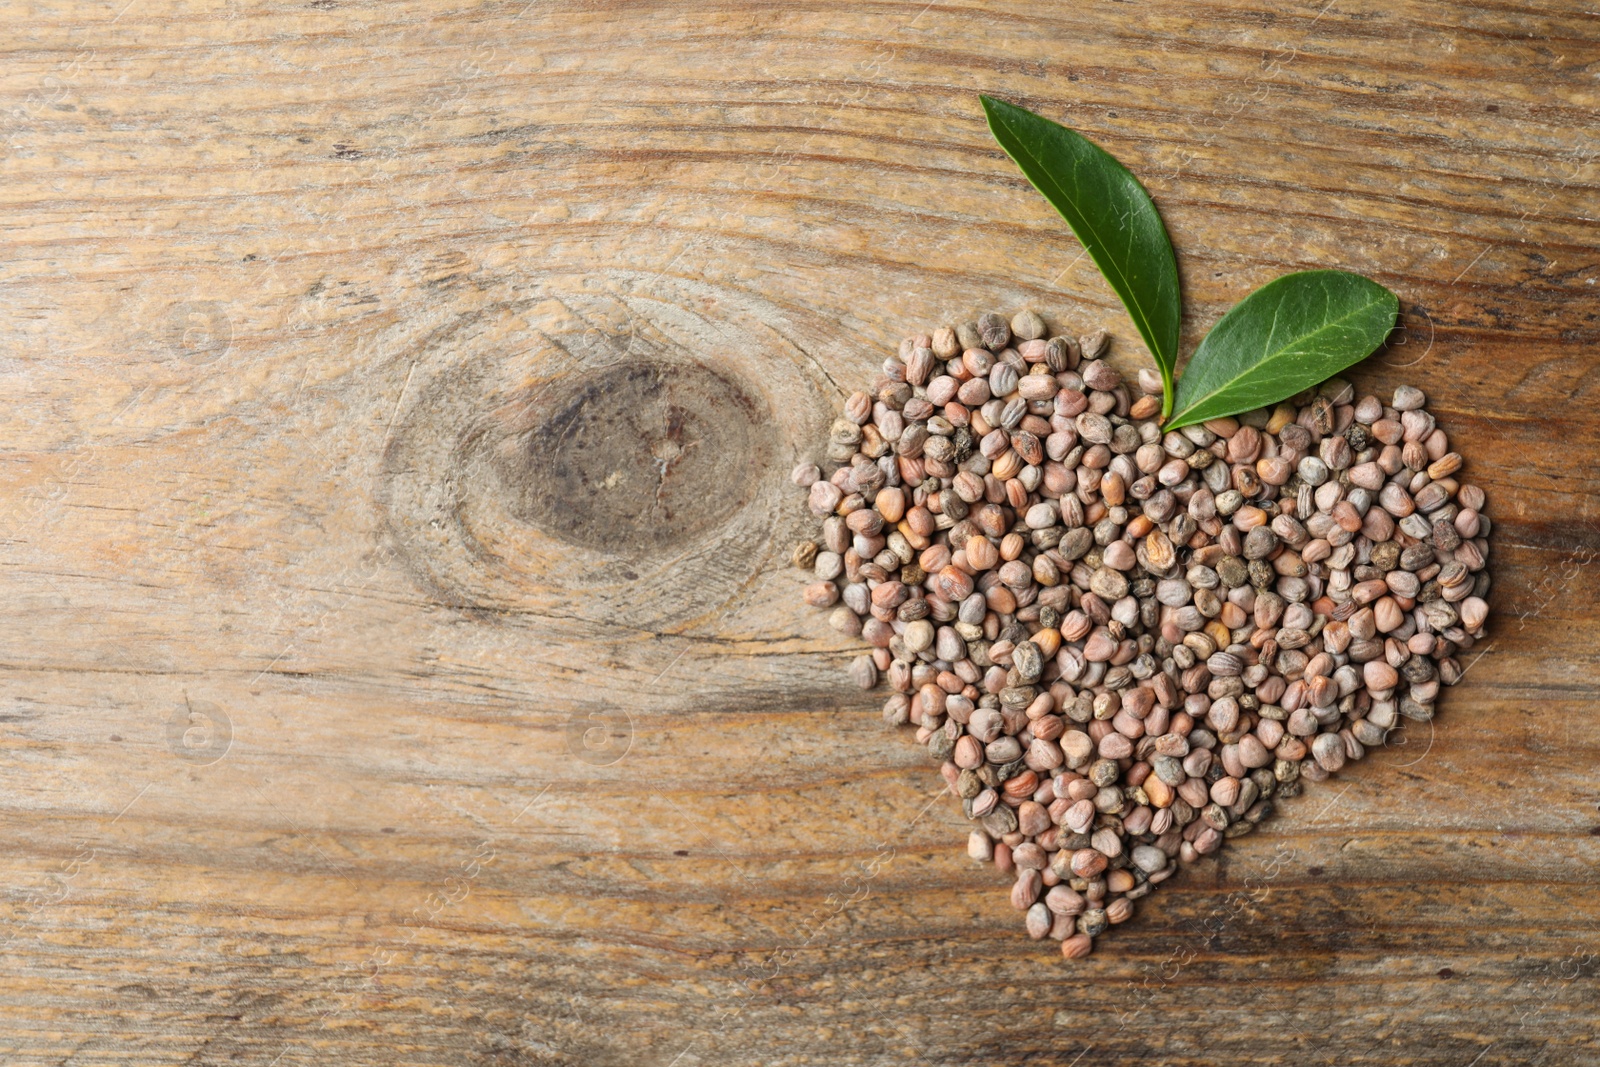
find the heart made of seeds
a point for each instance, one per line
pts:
(1123, 645)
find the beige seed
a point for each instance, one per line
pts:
(1027, 325)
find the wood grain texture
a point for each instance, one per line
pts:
(331, 736)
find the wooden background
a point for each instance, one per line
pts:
(335, 732)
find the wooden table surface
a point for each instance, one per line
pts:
(401, 665)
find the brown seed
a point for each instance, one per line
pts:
(1024, 784)
(804, 555)
(821, 594)
(1159, 792)
(1107, 842)
(1026, 889)
(995, 331)
(1038, 921)
(1087, 862)
(1063, 900)
(1253, 752)
(1115, 746)
(1146, 407)
(954, 583)
(1100, 376)
(1225, 791)
(1028, 856)
(1033, 818)
(1379, 675)
(891, 503)
(1077, 946)
(1444, 466)
(1328, 749)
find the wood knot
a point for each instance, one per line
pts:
(611, 454)
(642, 455)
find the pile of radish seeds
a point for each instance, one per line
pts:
(1123, 645)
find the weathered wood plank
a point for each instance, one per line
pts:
(290, 289)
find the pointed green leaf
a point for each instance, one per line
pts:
(1109, 212)
(1291, 334)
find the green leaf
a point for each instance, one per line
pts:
(1290, 334)
(1110, 213)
